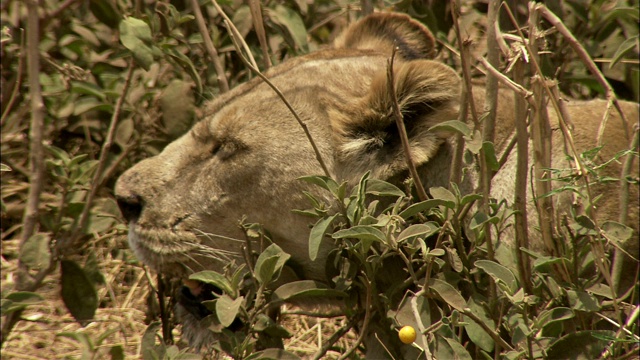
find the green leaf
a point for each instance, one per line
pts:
(213, 278)
(361, 232)
(269, 263)
(227, 309)
(422, 206)
(135, 34)
(617, 232)
(35, 252)
(554, 315)
(266, 269)
(580, 345)
(324, 182)
(544, 264)
(292, 23)
(452, 126)
(500, 274)
(87, 88)
(19, 300)
(77, 292)
(459, 352)
(443, 194)
(86, 104)
(626, 46)
(148, 348)
(490, 156)
(448, 293)
(317, 235)
(383, 188)
(418, 230)
(106, 12)
(305, 289)
(583, 301)
(4, 167)
(116, 352)
(476, 333)
(186, 64)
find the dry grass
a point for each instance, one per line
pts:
(122, 313)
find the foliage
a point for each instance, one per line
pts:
(87, 50)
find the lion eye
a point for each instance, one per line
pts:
(216, 147)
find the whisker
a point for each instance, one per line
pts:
(210, 236)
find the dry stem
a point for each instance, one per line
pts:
(237, 39)
(97, 177)
(223, 84)
(258, 26)
(422, 195)
(584, 56)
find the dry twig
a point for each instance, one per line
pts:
(223, 84)
(422, 195)
(237, 40)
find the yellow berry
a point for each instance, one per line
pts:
(407, 334)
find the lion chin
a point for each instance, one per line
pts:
(244, 158)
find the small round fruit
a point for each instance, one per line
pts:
(407, 334)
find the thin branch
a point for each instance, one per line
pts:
(422, 195)
(36, 149)
(520, 193)
(233, 32)
(333, 339)
(104, 152)
(236, 38)
(36, 162)
(495, 336)
(365, 323)
(223, 84)
(258, 26)
(489, 118)
(618, 255)
(17, 85)
(584, 56)
(464, 56)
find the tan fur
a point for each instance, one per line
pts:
(245, 156)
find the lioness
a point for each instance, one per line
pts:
(244, 158)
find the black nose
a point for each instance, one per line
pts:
(130, 206)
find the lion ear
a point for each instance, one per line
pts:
(384, 31)
(367, 137)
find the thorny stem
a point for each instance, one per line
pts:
(208, 44)
(422, 195)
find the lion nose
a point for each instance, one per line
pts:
(130, 206)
